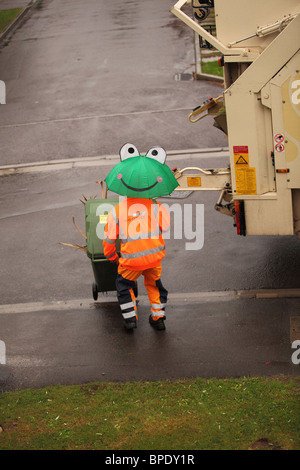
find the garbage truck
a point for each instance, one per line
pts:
(259, 111)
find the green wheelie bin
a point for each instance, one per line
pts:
(105, 273)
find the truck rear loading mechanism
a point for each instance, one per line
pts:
(259, 109)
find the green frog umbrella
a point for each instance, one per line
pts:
(142, 176)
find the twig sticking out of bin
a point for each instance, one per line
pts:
(80, 231)
(102, 189)
(85, 198)
(84, 248)
(104, 196)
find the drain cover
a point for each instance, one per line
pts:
(183, 76)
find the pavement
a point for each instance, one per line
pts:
(26, 7)
(7, 4)
(206, 336)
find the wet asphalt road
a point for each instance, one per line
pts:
(83, 78)
(36, 215)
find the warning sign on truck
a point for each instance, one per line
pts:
(242, 161)
(279, 147)
(245, 176)
(278, 138)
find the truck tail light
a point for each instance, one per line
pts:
(240, 217)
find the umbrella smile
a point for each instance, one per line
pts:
(159, 180)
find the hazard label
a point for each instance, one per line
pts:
(241, 160)
(278, 138)
(245, 179)
(193, 181)
(245, 176)
(240, 148)
(241, 155)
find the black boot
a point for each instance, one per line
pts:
(157, 324)
(130, 323)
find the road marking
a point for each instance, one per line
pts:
(181, 297)
(50, 207)
(94, 116)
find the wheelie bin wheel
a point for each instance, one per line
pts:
(95, 291)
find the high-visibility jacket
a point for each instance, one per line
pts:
(140, 225)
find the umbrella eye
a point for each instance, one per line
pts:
(128, 151)
(158, 154)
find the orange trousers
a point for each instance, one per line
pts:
(157, 294)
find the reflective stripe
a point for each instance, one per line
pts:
(156, 313)
(112, 255)
(140, 254)
(130, 314)
(137, 214)
(159, 313)
(158, 306)
(128, 305)
(110, 242)
(141, 236)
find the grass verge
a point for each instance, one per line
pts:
(169, 415)
(212, 67)
(7, 16)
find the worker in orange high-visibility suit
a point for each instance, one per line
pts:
(140, 225)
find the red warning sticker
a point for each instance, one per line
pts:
(278, 138)
(279, 147)
(240, 149)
